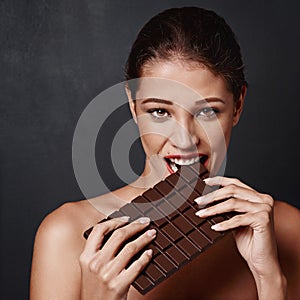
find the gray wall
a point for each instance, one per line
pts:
(56, 56)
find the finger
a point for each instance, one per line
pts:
(224, 181)
(257, 221)
(95, 239)
(229, 191)
(131, 249)
(122, 234)
(229, 205)
(129, 275)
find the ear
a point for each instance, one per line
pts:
(239, 105)
(131, 103)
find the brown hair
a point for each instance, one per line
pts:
(192, 34)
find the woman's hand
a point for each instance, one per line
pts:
(103, 272)
(253, 230)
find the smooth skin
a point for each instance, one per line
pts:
(104, 270)
(254, 231)
(260, 260)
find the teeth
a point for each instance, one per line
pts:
(184, 162)
(174, 167)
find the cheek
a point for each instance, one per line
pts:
(152, 143)
(153, 135)
(215, 134)
(227, 125)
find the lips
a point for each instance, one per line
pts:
(175, 161)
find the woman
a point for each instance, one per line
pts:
(196, 49)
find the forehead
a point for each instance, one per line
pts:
(180, 82)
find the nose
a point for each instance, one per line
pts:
(184, 135)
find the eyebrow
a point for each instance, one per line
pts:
(210, 99)
(156, 100)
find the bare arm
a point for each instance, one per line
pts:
(65, 266)
(287, 229)
(55, 270)
(253, 231)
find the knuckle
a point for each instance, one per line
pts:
(113, 286)
(105, 278)
(237, 219)
(131, 248)
(268, 208)
(119, 234)
(100, 228)
(83, 259)
(264, 217)
(93, 266)
(236, 181)
(232, 202)
(232, 189)
(268, 199)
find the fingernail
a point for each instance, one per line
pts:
(215, 227)
(151, 232)
(199, 199)
(149, 252)
(143, 220)
(200, 212)
(200, 206)
(124, 218)
(207, 179)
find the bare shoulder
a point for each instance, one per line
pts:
(287, 223)
(69, 219)
(58, 244)
(64, 227)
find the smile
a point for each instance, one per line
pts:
(175, 161)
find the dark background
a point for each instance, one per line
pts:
(56, 56)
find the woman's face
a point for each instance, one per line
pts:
(185, 116)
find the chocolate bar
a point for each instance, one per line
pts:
(180, 235)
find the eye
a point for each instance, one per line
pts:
(207, 113)
(159, 114)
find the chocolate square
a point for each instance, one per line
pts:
(181, 235)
